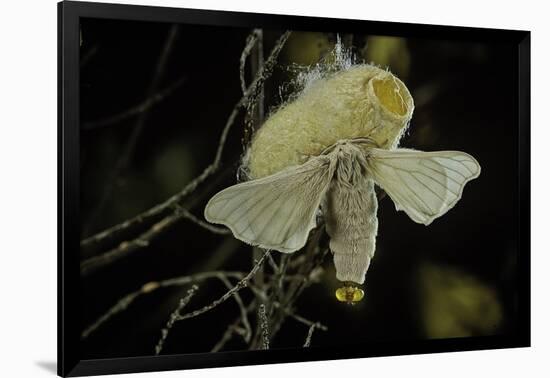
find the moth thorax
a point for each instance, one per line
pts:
(351, 168)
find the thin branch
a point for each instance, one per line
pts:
(118, 252)
(312, 328)
(240, 285)
(249, 45)
(262, 317)
(274, 266)
(123, 303)
(174, 318)
(254, 117)
(255, 108)
(314, 260)
(244, 317)
(293, 315)
(232, 329)
(227, 335)
(128, 151)
(216, 230)
(307, 322)
(144, 106)
(91, 264)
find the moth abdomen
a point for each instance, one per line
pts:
(351, 220)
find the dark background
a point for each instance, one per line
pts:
(455, 278)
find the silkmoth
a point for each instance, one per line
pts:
(324, 153)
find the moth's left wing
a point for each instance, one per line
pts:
(423, 184)
(277, 211)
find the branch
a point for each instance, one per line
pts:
(232, 329)
(312, 327)
(307, 322)
(249, 45)
(112, 255)
(128, 152)
(244, 317)
(314, 259)
(264, 326)
(123, 303)
(142, 107)
(207, 226)
(240, 285)
(90, 265)
(174, 318)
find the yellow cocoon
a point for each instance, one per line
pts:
(362, 101)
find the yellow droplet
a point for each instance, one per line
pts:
(358, 294)
(349, 294)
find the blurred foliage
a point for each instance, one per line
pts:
(455, 303)
(390, 52)
(176, 154)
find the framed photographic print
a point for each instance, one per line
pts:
(239, 188)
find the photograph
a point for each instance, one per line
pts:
(252, 188)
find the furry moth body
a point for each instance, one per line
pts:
(350, 213)
(326, 151)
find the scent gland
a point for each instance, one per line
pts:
(349, 294)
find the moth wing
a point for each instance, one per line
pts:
(423, 184)
(277, 211)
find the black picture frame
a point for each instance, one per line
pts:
(69, 327)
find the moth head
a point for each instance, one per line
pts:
(349, 293)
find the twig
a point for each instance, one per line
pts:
(232, 329)
(90, 265)
(90, 248)
(227, 335)
(144, 106)
(249, 45)
(274, 266)
(312, 328)
(244, 317)
(307, 322)
(254, 117)
(216, 230)
(174, 317)
(264, 326)
(118, 252)
(240, 285)
(128, 152)
(314, 260)
(123, 303)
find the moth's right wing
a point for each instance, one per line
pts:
(274, 212)
(423, 184)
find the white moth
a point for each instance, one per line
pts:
(277, 211)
